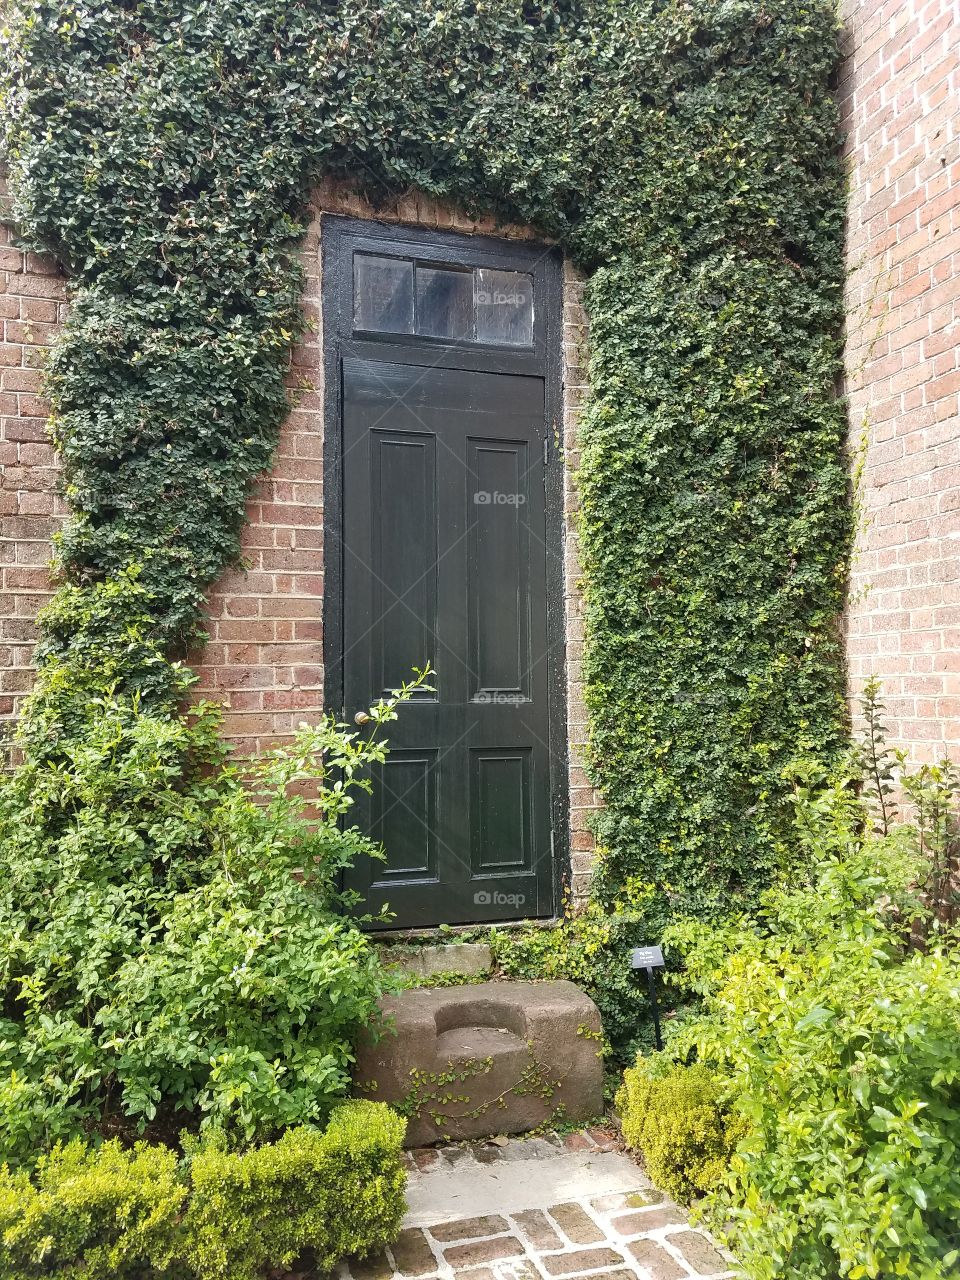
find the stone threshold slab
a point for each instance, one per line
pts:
(472, 1190)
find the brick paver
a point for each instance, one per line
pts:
(536, 1227)
(635, 1224)
(699, 1252)
(413, 1255)
(635, 1234)
(461, 1256)
(655, 1261)
(470, 1228)
(581, 1260)
(577, 1224)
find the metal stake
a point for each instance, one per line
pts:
(652, 989)
(651, 959)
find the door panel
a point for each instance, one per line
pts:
(438, 497)
(403, 530)
(500, 805)
(499, 584)
(403, 817)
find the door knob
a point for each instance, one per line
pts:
(362, 718)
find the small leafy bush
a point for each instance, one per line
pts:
(591, 947)
(924, 800)
(174, 948)
(681, 1122)
(838, 1036)
(108, 1213)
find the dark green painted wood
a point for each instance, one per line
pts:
(444, 561)
(444, 557)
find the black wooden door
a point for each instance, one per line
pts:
(445, 556)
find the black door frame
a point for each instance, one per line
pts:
(339, 236)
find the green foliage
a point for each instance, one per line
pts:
(171, 933)
(105, 1213)
(591, 947)
(714, 520)
(684, 154)
(680, 1120)
(932, 806)
(93, 1214)
(839, 1041)
(335, 1193)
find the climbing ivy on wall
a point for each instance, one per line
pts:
(683, 153)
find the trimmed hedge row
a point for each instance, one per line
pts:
(110, 1213)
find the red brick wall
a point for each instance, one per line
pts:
(900, 95)
(31, 300)
(264, 658)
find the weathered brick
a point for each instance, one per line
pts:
(623, 1275)
(648, 1220)
(536, 1227)
(477, 1251)
(470, 1228)
(658, 1263)
(568, 1264)
(576, 1223)
(578, 1142)
(698, 1251)
(412, 1253)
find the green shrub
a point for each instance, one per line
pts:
(591, 947)
(840, 1042)
(107, 1214)
(172, 938)
(91, 1213)
(335, 1193)
(681, 1122)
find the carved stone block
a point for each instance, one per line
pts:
(488, 1058)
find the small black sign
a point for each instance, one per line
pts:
(646, 958)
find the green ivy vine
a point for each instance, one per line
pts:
(433, 1093)
(684, 154)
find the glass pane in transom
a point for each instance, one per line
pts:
(504, 307)
(444, 303)
(382, 294)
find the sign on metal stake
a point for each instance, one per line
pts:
(651, 959)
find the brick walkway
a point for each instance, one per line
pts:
(539, 1209)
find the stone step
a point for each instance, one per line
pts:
(487, 1058)
(472, 959)
(540, 1209)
